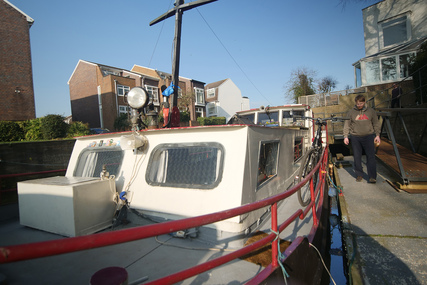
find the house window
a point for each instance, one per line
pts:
(405, 61)
(92, 159)
(153, 93)
(123, 109)
(267, 161)
(200, 96)
(196, 165)
(212, 109)
(199, 112)
(122, 90)
(372, 71)
(358, 74)
(394, 31)
(388, 68)
(210, 93)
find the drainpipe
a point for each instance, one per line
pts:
(115, 95)
(101, 120)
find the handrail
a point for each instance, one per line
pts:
(48, 248)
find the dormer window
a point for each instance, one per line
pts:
(394, 31)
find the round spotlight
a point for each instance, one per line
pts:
(137, 97)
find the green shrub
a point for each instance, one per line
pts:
(78, 129)
(53, 127)
(121, 123)
(33, 130)
(205, 121)
(184, 116)
(11, 131)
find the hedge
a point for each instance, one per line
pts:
(204, 121)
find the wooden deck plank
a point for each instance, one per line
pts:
(415, 165)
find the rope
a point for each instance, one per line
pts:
(339, 188)
(280, 257)
(324, 265)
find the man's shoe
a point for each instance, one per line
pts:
(372, 180)
(359, 178)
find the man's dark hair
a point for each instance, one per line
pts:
(360, 98)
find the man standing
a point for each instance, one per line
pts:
(364, 128)
(396, 93)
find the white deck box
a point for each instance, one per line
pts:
(69, 206)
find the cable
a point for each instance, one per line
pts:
(241, 69)
(324, 265)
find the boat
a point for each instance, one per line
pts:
(170, 204)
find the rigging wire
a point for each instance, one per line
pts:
(237, 64)
(158, 38)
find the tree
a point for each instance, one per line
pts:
(418, 70)
(301, 83)
(186, 100)
(53, 127)
(327, 84)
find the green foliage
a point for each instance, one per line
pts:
(184, 116)
(11, 131)
(78, 129)
(121, 123)
(205, 121)
(33, 130)
(53, 127)
(301, 83)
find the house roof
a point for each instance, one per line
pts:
(215, 84)
(399, 49)
(29, 19)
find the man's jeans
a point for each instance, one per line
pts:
(364, 143)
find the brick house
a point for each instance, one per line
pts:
(16, 74)
(97, 91)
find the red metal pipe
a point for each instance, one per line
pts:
(274, 244)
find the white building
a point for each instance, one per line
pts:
(393, 32)
(224, 99)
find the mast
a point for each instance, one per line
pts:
(178, 10)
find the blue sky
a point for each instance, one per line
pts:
(267, 39)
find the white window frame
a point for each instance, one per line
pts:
(398, 20)
(212, 109)
(123, 109)
(210, 93)
(153, 92)
(199, 110)
(122, 89)
(199, 92)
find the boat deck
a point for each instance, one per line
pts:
(384, 229)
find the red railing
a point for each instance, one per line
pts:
(28, 174)
(42, 249)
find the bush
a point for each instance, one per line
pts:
(33, 130)
(205, 121)
(53, 127)
(11, 131)
(121, 123)
(78, 129)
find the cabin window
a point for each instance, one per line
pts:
(267, 161)
(298, 148)
(92, 159)
(248, 118)
(268, 119)
(196, 165)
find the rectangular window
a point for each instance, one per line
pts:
(200, 96)
(394, 31)
(268, 119)
(248, 118)
(212, 109)
(298, 148)
(210, 93)
(405, 61)
(388, 68)
(197, 165)
(358, 73)
(92, 159)
(372, 70)
(122, 90)
(123, 109)
(199, 112)
(153, 93)
(267, 161)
